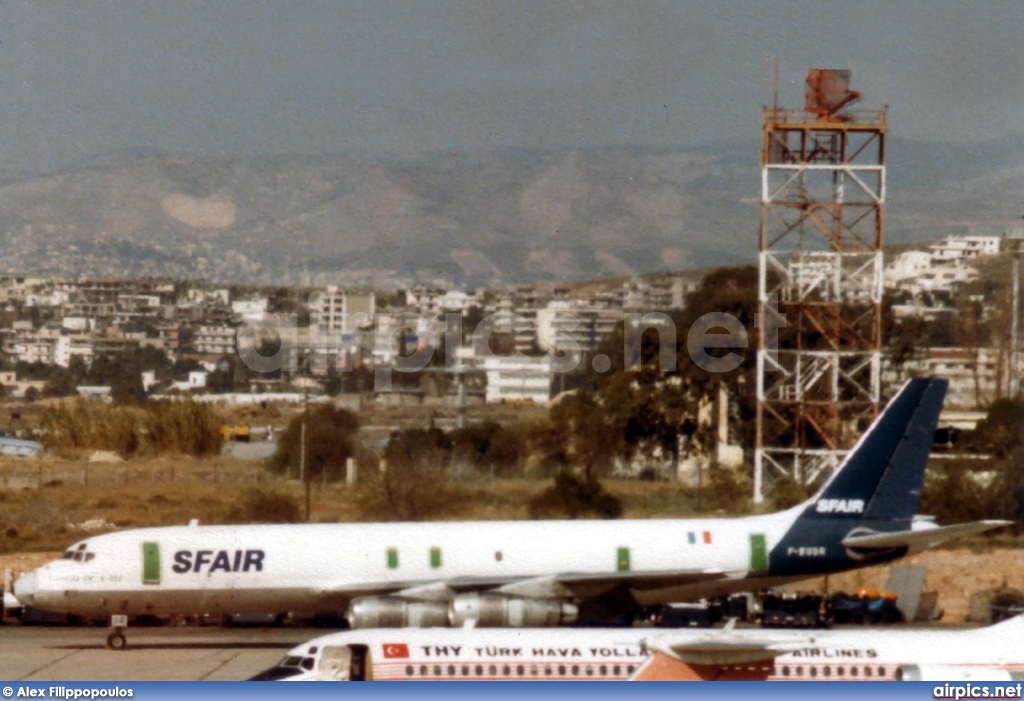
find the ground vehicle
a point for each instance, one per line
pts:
(866, 606)
(792, 611)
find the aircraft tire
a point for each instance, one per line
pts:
(117, 641)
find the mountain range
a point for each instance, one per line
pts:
(454, 219)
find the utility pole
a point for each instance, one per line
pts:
(1014, 388)
(302, 453)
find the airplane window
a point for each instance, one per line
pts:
(78, 556)
(785, 670)
(602, 670)
(479, 670)
(827, 671)
(853, 671)
(799, 671)
(437, 670)
(519, 670)
(408, 670)
(451, 670)
(89, 556)
(575, 670)
(561, 670)
(629, 669)
(867, 671)
(465, 670)
(81, 546)
(615, 670)
(533, 670)
(423, 670)
(492, 670)
(590, 671)
(307, 663)
(881, 671)
(547, 670)
(311, 650)
(839, 671)
(68, 554)
(497, 556)
(813, 671)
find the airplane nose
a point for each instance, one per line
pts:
(25, 588)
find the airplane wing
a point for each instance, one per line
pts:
(923, 538)
(559, 585)
(727, 648)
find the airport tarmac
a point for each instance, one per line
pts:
(188, 653)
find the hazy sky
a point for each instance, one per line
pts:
(81, 79)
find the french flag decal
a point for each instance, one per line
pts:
(395, 650)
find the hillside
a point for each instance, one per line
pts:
(450, 220)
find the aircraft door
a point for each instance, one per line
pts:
(362, 667)
(345, 663)
(335, 663)
(758, 553)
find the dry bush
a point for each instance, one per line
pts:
(83, 424)
(185, 426)
(170, 426)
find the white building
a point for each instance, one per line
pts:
(250, 309)
(520, 379)
(977, 377)
(214, 340)
(945, 264)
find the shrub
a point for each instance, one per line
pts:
(168, 426)
(259, 506)
(331, 439)
(570, 497)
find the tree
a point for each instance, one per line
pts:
(636, 407)
(416, 483)
(571, 497)
(332, 437)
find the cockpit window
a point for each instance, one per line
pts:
(68, 554)
(79, 556)
(290, 661)
(89, 556)
(275, 673)
(307, 663)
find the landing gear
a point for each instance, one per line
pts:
(116, 640)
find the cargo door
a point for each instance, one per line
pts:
(758, 553)
(150, 563)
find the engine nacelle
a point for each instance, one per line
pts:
(396, 612)
(945, 673)
(497, 611)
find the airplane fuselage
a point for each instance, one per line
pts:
(615, 654)
(321, 567)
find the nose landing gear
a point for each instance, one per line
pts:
(116, 640)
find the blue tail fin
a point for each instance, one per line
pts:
(881, 478)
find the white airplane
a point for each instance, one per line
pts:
(512, 573)
(638, 654)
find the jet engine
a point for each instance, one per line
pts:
(396, 612)
(497, 611)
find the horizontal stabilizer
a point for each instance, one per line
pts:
(923, 538)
